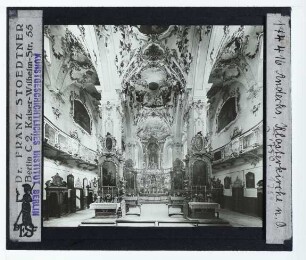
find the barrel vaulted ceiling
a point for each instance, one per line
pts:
(154, 69)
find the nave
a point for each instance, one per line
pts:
(151, 118)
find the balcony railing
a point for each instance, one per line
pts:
(241, 144)
(68, 144)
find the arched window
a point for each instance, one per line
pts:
(218, 155)
(81, 116)
(227, 113)
(227, 182)
(250, 180)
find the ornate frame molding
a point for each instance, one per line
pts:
(76, 97)
(233, 93)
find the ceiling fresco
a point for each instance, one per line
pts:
(153, 86)
(153, 126)
(153, 73)
(138, 46)
(153, 64)
(148, 65)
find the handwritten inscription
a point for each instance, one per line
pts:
(275, 155)
(278, 130)
(279, 92)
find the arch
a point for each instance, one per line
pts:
(81, 115)
(250, 180)
(230, 93)
(70, 181)
(227, 182)
(228, 113)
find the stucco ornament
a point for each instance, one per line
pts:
(199, 143)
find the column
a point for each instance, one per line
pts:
(111, 114)
(177, 150)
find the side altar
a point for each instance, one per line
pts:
(198, 182)
(109, 202)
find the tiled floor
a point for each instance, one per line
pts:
(153, 212)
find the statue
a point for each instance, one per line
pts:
(25, 210)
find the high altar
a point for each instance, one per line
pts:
(154, 181)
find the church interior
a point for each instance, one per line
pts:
(153, 125)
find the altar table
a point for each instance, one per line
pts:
(105, 210)
(203, 210)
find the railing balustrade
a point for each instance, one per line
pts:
(67, 143)
(241, 144)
